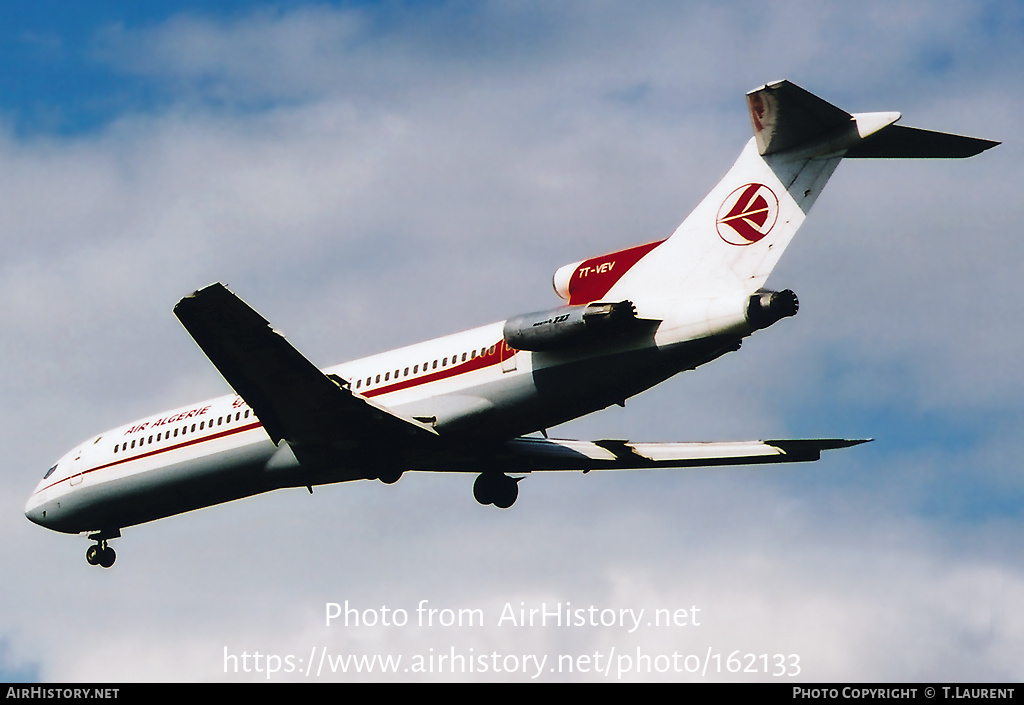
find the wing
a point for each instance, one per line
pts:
(292, 398)
(553, 454)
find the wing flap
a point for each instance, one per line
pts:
(291, 397)
(556, 454)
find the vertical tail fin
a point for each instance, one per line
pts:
(731, 242)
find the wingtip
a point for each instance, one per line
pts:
(818, 444)
(834, 444)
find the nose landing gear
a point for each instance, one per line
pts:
(100, 553)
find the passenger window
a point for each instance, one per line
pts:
(406, 372)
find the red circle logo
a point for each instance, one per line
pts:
(747, 214)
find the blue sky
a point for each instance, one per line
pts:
(56, 80)
(369, 175)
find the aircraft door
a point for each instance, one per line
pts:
(77, 467)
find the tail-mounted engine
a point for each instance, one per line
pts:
(568, 326)
(767, 307)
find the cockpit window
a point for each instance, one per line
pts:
(49, 472)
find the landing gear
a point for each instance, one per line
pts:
(497, 489)
(390, 476)
(92, 556)
(100, 554)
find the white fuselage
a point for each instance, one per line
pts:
(469, 385)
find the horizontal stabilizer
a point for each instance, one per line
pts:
(787, 117)
(899, 142)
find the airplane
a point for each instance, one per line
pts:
(471, 402)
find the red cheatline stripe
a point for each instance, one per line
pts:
(158, 451)
(501, 352)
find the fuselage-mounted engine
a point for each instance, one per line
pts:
(570, 326)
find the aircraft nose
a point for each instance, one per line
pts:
(36, 512)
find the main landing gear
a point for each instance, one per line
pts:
(100, 554)
(390, 475)
(497, 489)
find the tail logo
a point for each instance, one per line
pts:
(747, 214)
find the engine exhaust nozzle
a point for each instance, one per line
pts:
(768, 307)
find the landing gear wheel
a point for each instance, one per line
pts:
(390, 476)
(508, 493)
(483, 490)
(499, 490)
(100, 554)
(107, 557)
